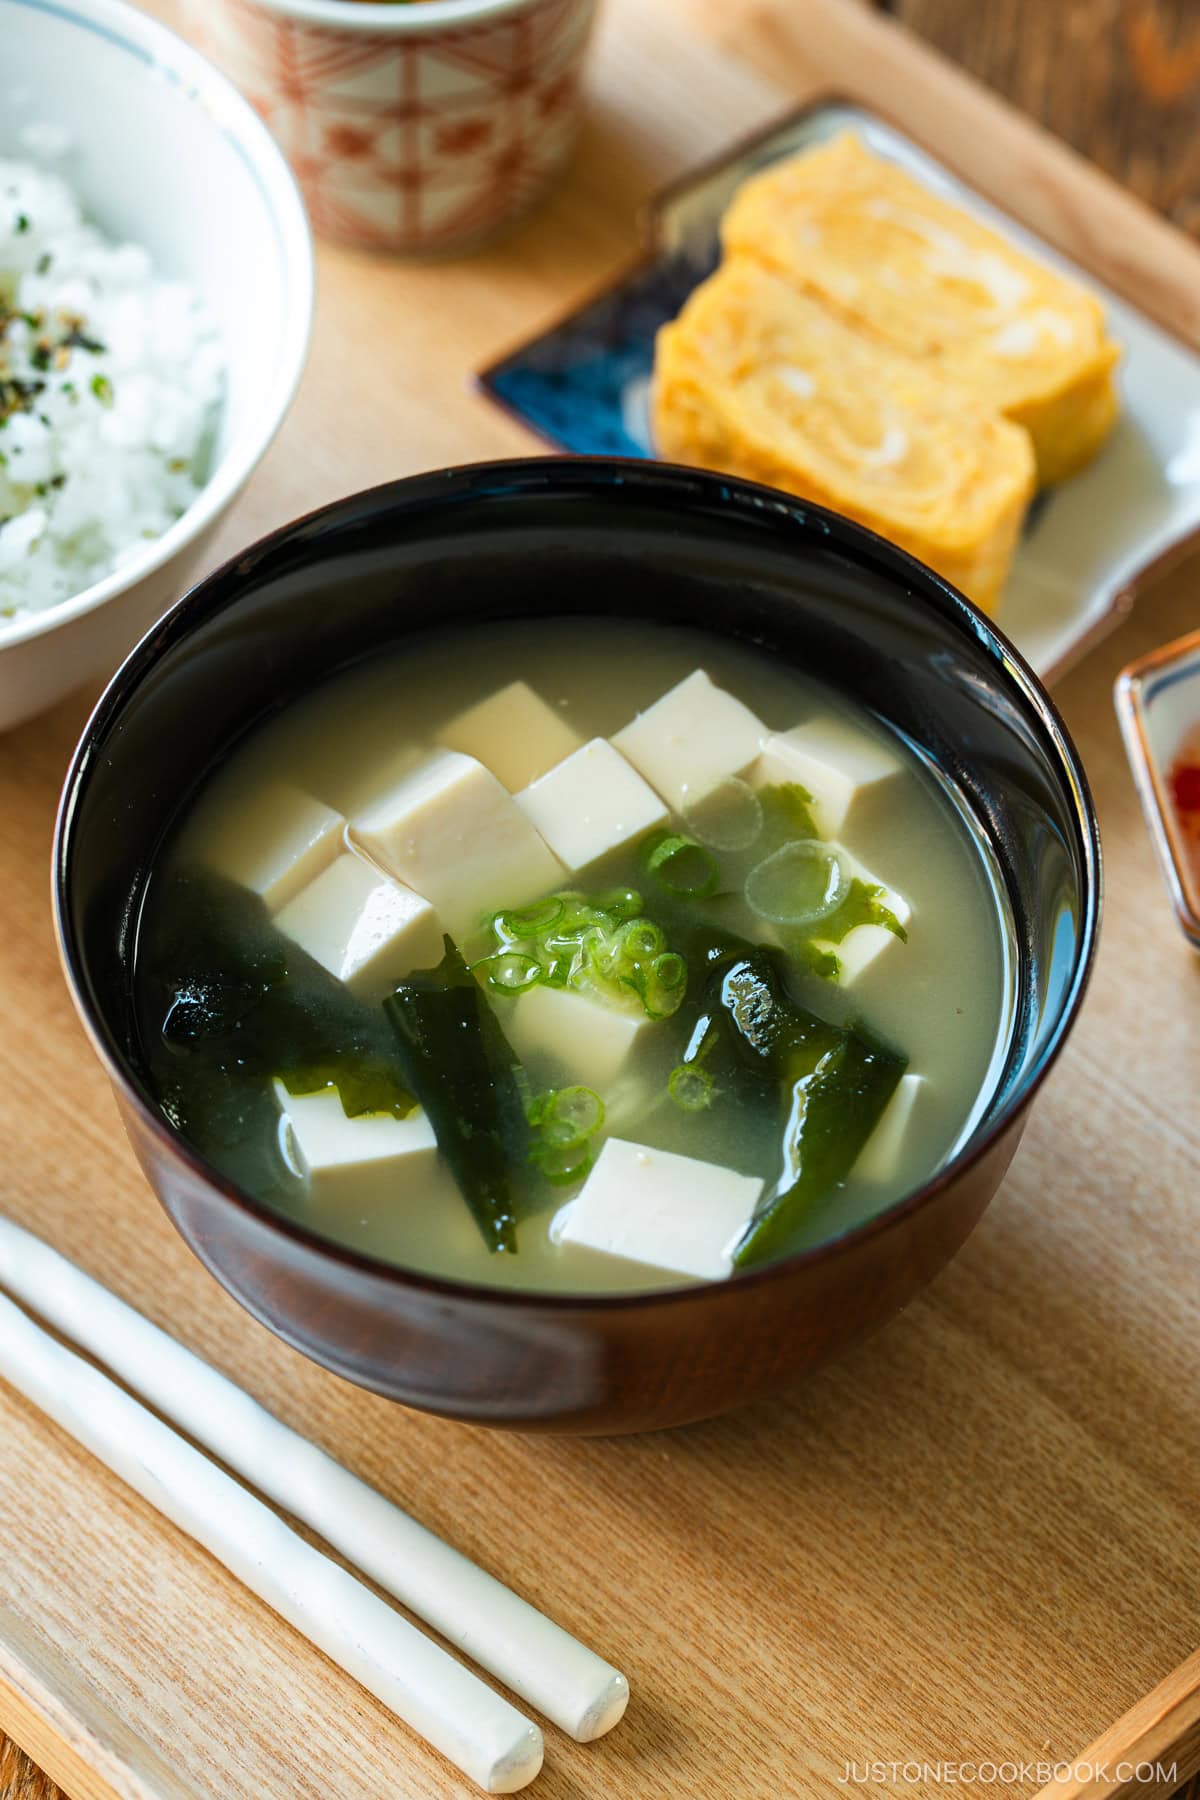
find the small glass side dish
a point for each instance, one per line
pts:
(1158, 706)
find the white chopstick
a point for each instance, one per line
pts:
(478, 1730)
(537, 1659)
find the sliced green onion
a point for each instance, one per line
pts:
(682, 865)
(620, 903)
(600, 962)
(728, 817)
(561, 1166)
(579, 1107)
(669, 970)
(799, 884)
(536, 1105)
(566, 1121)
(559, 972)
(633, 976)
(659, 1001)
(577, 914)
(558, 1134)
(691, 1088)
(642, 940)
(529, 921)
(606, 946)
(511, 972)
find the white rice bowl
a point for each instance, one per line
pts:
(111, 384)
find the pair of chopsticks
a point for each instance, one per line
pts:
(473, 1726)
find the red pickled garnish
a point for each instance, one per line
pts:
(1185, 786)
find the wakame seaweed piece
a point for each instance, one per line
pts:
(700, 938)
(861, 906)
(834, 1109)
(457, 1061)
(750, 1030)
(220, 985)
(730, 1037)
(787, 815)
(823, 1085)
(231, 1121)
(364, 1085)
(212, 960)
(823, 963)
(203, 1007)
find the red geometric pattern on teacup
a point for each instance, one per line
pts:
(419, 141)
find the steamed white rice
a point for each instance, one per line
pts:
(111, 380)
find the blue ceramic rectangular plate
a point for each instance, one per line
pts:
(1088, 545)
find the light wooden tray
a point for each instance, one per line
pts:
(975, 1537)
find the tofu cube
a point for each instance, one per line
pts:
(863, 946)
(880, 1156)
(514, 733)
(365, 928)
(590, 804)
(652, 1206)
(691, 739)
(842, 768)
(449, 831)
(590, 1040)
(279, 842)
(355, 1163)
(373, 1181)
(426, 1225)
(378, 775)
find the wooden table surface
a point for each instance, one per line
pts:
(1118, 79)
(1111, 1424)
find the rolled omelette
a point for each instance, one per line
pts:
(754, 378)
(876, 247)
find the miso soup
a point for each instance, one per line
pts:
(581, 956)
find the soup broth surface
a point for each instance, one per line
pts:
(942, 998)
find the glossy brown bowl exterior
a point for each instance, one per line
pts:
(553, 536)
